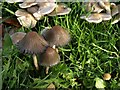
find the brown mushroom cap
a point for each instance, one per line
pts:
(49, 58)
(16, 37)
(56, 36)
(32, 43)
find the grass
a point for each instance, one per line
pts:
(94, 50)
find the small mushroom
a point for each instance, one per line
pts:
(93, 18)
(33, 9)
(49, 58)
(116, 17)
(16, 37)
(107, 76)
(32, 43)
(105, 4)
(114, 9)
(61, 9)
(46, 8)
(56, 36)
(13, 1)
(93, 7)
(25, 18)
(27, 3)
(51, 86)
(105, 16)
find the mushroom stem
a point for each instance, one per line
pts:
(47, 69)
(35, 62)
(54, 47)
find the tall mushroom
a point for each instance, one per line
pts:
(56, 36)
(32, 43)
(48, 58)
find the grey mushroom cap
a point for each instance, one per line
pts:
(32, 43)
(93, 7)
(114, 9)
(93, 18)
(61, 9)
(13, 1)
(33, 9)
(56, 36)
(105, 16)
(16, 37)
(49, 57)
(25, 18)
(27, 3)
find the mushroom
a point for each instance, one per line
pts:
(27, 3)
(33, 9)
(25, 18)
(16, 37)
(114, 9)
(93, 18)
(56, 36)
(105, 4)
(107, 76)
(105, 16)
(117, 17)
(13, 1)
(49, 58)
(93, 6)
(32, 43)
(61, 9)
(46, 8)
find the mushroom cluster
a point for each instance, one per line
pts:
(33, 10)
(42, 46)
(101, 10)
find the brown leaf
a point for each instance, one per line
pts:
(12, 21)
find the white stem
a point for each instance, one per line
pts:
(47, 69)
(35, 62)
(54, 47)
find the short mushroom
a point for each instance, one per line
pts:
(56, 36)
(16, 37)
(61, 9)
(25, 18)
(32, 43)
(93, 7)
(93, 18)
(48, 58)
(27, 3)
(114, 9)
(107, 76)
(116, 17)
(105, 16)
(33, 9)
(46, 8)
(13, 1)
(105, 4)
